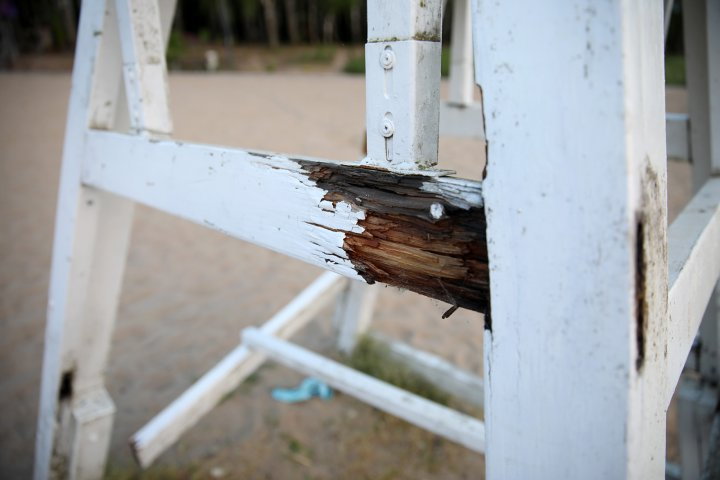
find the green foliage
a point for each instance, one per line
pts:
(355, 65)
(204, 35)
(175, 49)
(374, 359)
(445, 62)
(337, 6)
(674, 70)
(319, 54)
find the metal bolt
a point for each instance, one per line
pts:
(387, 128)
(387, 59)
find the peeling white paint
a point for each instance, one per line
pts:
(247, 195)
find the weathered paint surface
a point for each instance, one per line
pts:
(421, 232)
(402, 83)
(424, 235)
(576, 162)
(694, 266)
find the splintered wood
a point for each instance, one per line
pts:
(419, 233)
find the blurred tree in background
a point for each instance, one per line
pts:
(50, 25)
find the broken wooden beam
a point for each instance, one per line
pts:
(422, 231)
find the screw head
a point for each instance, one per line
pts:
(437, 211)
(387, 59)
(387, 128)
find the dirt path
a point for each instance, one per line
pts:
(188, 291)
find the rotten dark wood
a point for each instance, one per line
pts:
(403, 243)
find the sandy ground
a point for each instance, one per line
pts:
(188, 291)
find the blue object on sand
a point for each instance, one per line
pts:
(308, 388)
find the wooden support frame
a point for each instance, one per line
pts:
(694, 267)
(92, 232)
(362, 231)
(418, 231)
(702, 56)
(353, 314)
(460, 115)
(166, 427)
(578, 320)
(440, 420)
(402, 77)
(458, 382)
(394, 221)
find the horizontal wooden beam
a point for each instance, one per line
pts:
(422, 232)
(419, 411)
(165, 428)
(458, 382)
(693, 270)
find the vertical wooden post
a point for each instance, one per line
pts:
(402, 75)
(354, 313)
(91, 241)
(697, 397)
(702, 52)
(461, 58)
(460, 115)
(575, 198)
(402, 94)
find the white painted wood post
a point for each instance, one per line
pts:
(144, 68)
(693, 270)
(354, 312)
(575, 201)
(91, 240)
(460, 115)
(76, 226)
(414, 409)
(702, 52)
(402, 64)
(697, 398)
(402, 78)
(462, 75)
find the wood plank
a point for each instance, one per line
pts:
(462, 76)
(575, 193)
(401, 20)
(91, 239)
(76, 224)
(144, 68)
(694, 268)
(166, 427)
(453, 425)
(458, 382)
(418, 231)
(402, 83)
(353, 314)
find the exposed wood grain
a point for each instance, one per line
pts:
(419, 231)
(402, 243)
